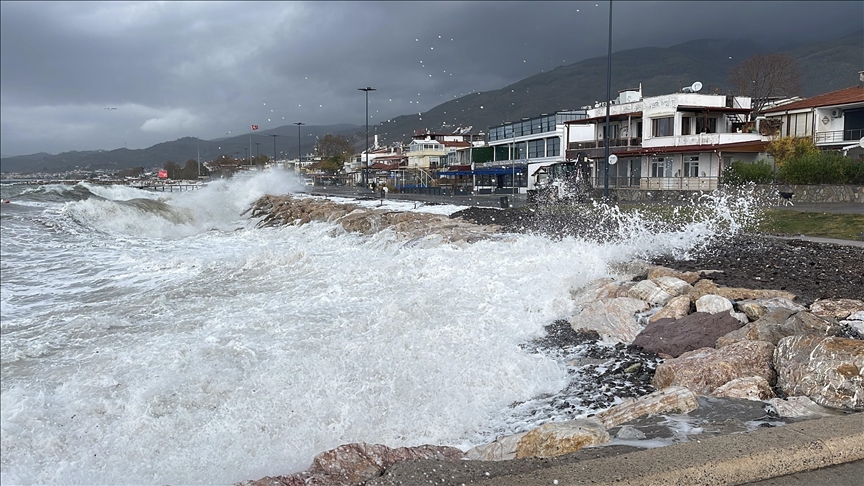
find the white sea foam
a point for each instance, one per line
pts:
(165, 340)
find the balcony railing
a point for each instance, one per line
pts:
(660, 183)
(613, 142)
(837, 136)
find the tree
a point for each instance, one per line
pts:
(173, 169)
(332, 145)
(784, 149)
(764, 76)
(190, 170)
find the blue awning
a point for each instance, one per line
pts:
(486, 171)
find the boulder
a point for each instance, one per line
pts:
(836, 308)
(807, 323)
(676, 308)
(672, 285)
(613, 319)
(674, 399)
(794, 407)
(828, 370)
(750, 388)
(780, 323)
(707, 369)
(675, 337)
(713, 304)
(756, 308)
(655, 271)
(354, 464)
(559, 438)
(598, 289)
(629, 270)
(503, 449)
(624, 289)
(650, 292)
(705, 287)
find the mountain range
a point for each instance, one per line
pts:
(823, 67)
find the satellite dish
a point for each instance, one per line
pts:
(696, 86)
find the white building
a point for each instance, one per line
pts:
(674, 141)
(521, 148)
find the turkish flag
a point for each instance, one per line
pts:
(162, 174)
(254, 127)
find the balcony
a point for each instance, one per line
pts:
(838, 136)
(660, 183)
(613, 142)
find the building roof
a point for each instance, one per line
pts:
(619, 116)
(854, 94)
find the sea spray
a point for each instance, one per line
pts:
(151, 338)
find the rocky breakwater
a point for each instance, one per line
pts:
(706, 341)
(287, 210)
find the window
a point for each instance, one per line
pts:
(520, 150)
(662, 127)
(502, 152)
(553, 147)
(536, 148)
(685, 125)
(508, 131)
(613, 131)
(706, 125)
(691, 166)
(658, 167)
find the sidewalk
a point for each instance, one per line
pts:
(806, 450)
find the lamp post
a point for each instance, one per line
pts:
(608, 102)
(257, 149)
(274, 148)
(366, 168)
(299, 150)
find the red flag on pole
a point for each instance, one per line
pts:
(162, 174)
(254, 127)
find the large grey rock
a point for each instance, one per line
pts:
(355, 464)
(757, 308)
(672, 285)
(836, 308)
(674, 399)
(559, 438)
(830, 371)
(650, 292)
(801, 406)
(780, 323)
(676, 308)
(713, 304)
(675, 337)
(749, 388)
(655, 271)
(503, 449)
(706, 287)
(707, 369)
(612, 319)
(595, 290)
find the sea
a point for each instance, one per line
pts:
(164, 338)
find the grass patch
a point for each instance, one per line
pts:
(826, 225)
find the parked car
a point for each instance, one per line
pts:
(308, 182)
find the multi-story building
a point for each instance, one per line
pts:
(834, 121)
(674, 141)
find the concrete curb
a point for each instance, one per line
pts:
(724, 460)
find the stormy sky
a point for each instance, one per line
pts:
(104, 75)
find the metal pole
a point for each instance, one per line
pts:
(366, 167)
(299, 151)
(608, 102)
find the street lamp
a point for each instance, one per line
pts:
(274, 148)
(299, 151)
(366, 168)
(608, 102)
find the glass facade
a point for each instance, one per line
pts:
(532, 126)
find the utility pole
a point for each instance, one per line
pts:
(366, 168)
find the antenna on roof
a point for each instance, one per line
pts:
(693, 88)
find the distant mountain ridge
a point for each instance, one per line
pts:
(823, 67)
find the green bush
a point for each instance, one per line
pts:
(738, 173)
(822, 168)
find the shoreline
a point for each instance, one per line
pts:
(738, 250)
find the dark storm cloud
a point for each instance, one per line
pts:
(202, 69)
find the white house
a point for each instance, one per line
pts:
(834, 121)
(675, 141)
